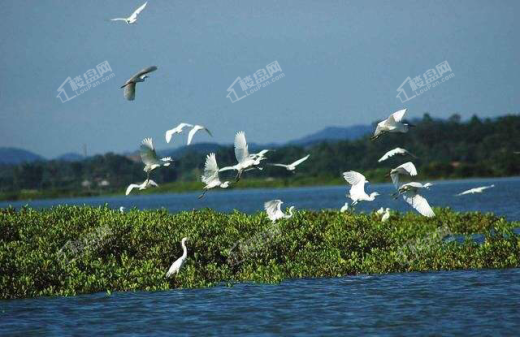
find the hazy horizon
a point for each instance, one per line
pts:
(342, 63)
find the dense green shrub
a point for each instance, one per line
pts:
(39, 252)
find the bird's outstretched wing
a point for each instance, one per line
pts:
(279, 165)
(130, 91)
(299, 161)
(241, 148)
(272, 208)
(419, 203)
(150, 183)
(398, 115)
(194, 130)
(210, 169)
(143, 72)
(137, 11)
(392, 153)
(354, 178)
(130, 188)
(147, 152)
(118, 19)
(227, 168)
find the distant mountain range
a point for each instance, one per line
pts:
(13, 156)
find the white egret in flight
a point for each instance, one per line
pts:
(149, 157)
(357, 191)
(410, 194)
(344, 208)
(404, 169)
(274, 210)
(260, 154)
(178, 129)
(245, 161)
(210, 176)
(177, 265)
(143, 186)
(476, 190)
(194, 130)
(292, 167)
(132, 18)
(132, 81)
(392, 124)
(411, 186)
(393, 152)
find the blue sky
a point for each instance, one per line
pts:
(342, 60)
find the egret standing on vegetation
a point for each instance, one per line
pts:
(132, 18)
(245, 161)
(132, 81)
(194, 130)
(357, 191)
(476, 190)
(292, 167)
(344, 208)
(150, 158)
(393, 152)
(404, 169)
(177, 265)
(274, 210)
(392, 124)
(210, 176)
(178, 129)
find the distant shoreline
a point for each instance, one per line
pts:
(189, 187)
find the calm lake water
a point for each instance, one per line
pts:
(503, 199)
(485, 302)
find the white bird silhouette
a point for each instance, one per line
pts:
(132, 18)
(357, 191)
(178, 129)
(411, 186)
(143, 186)
(292, 167)
(245, 161)
(149, 157)
(177, 265)
(393, 152)
(344, 208)
(194, 130)
(122, 209)
(392, 124)
(274, 210)
(404, 169)
(210, 176)
(132, 81)
(476, 190)
(385, 213)
(260, 154)
(418, 202)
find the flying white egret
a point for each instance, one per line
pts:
(476, 190)
(245, 161)
(292, 167)
(210, 176)
(404, 169)
(177, 265)
(274, 210)
(393, 152)
(132, 81)
(418, 202)
(178, 129)
(260, 154)
(344, 208)
(194, 130)
(357, 191)
(392, 124)
(411, 186)
(149, 157)
(143, 186)
(132, 18)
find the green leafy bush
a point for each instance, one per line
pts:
(68, 250)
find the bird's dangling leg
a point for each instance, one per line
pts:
(202, 195)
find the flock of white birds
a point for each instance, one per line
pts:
(252, 161)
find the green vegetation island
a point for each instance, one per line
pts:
(445, 149)
(70, 250)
